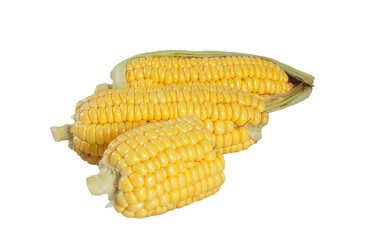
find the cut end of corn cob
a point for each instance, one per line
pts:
(161, 173)
(103, 183)
(61, 133)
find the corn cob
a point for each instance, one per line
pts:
(254, 75)
(232, 116)
(263, 77)
(161, 173)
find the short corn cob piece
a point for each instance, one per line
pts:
(263, 77)
(161, 173)
(234, 117)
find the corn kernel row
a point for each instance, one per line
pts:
(256, 86)
(180, 69)
(170, 94)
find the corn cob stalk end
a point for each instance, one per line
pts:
(61, 133)
(104, 182)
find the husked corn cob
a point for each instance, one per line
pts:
(232, 116)
(263, 77)
(161, 173)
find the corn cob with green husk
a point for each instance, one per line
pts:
(261, 76)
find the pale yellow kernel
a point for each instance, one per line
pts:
(121, 199)
(152, 204)
(183, 196)
(164, 200)
(208, 124)
(141, 213)
(135, 207)
(192, 154)
(174, 196)
(139, 74)
(172, 169)
(244, 134)
(85, 147)
(102, 115)
(166, 141)
(219, 127)
(238, 73)
(130, 112)
(182, 166)
(127, 213)
(257, 118)
(142, 152)
(243, 117)
(149, 181)
(140, 169)
(114, 158)
(125, 185)
(211, 155)
(193, 74)
(151, 149)
(140, 194)
(131, 158)
(219, 141)
(184, 156)
(114, 130)
(94, 150)
(188, 177)
(206, 145)
(163, 159)
(158, 144)
(227, 140)
(235, 137)
(150, 194)
(193, 139)
(173, 155)
(199, 152)
(236, 112)
(89, 133)
(160, 174)
(137, 180)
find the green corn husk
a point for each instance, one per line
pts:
(301, 91)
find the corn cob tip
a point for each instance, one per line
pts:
(104, 182)
(61, 133)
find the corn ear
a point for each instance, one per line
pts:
(302, 81)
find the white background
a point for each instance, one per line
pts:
(308, 178)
